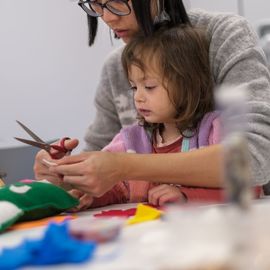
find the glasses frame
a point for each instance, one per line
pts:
(89, 10)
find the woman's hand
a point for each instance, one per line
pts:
(85, 200)
(43, 162)
(91, 172)
(163, 194)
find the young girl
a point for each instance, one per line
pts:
(172, 87)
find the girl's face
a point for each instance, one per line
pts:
(123, 26)
(150, 97)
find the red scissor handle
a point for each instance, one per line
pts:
(61, 149)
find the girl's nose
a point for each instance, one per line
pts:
(139, 96)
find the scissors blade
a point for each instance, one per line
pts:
(41, 145)
(30, 132)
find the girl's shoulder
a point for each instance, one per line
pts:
(136, 139)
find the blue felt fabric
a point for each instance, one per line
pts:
(55, 247)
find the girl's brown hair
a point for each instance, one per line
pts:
(181, 54)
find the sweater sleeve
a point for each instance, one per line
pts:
(116, 145)
(215, 132)
(236, 59)
(203, 194)
(239, 61)
(218, 195)
(118, 194)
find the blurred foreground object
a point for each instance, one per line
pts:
(237, 171)
(237, 168)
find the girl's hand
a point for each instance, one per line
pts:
(164, 193)
(85, 200)
(43, 162)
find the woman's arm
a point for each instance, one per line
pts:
(201, 167)
(97, 172)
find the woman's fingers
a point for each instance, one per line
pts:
(71, 144)
(74, 158)
(68, 169)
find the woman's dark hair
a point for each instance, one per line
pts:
(180, 55)
(92, 23)
(142, 9)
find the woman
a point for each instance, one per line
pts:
(235, 59)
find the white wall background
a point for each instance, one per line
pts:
(48, 74)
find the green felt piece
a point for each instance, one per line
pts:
(32, 201)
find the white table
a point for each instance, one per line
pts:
(188, 236)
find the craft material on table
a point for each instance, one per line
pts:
(144, 213)
(32, 201)
(96, 229)
(116, 213)
(56, 246)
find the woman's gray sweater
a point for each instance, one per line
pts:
(235, 59)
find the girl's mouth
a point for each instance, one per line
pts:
(144, 113)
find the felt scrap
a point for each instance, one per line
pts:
(117, 213)
(144, 213)
(55, 247)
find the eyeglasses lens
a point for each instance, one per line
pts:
(118, 7)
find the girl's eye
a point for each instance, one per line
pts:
(133, 88)
(150, 87)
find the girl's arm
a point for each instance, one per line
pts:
(193, 194)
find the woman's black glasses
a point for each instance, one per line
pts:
(95, 9)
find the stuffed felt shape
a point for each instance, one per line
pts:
(32, 200)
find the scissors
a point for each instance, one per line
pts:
(61, 149)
